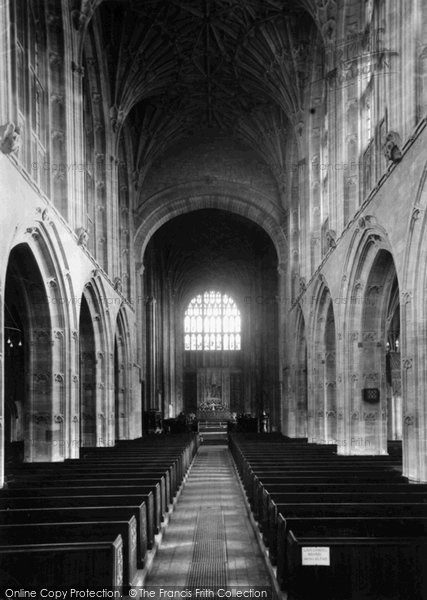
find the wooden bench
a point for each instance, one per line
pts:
(79, 515)
(59, 471)
(94, 564)
(100, 491)
(124, 490)
(336, 513)
(267, 508)
(78, 532)
(365, 562)
(143, 503)
(156, 485)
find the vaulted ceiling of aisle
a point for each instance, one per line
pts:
(236, 66)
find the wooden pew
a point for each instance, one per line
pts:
(78, 532)
(157, 485)
(89, 498)
(381, 564)
(79, 515)
(139, 491)
(80, 469)
(260, 479)
(270, 513)
(337, 512)
(93, 564)
(143, 503)
(279, 491)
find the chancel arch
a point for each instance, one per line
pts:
(219, 253)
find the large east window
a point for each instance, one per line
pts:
(212, 322)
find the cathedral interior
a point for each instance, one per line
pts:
(213, 233)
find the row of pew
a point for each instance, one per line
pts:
(89, 522)
(336, 527)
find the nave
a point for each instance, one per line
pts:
(166, 517)
(210, 542)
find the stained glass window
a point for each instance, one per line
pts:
(212, 322)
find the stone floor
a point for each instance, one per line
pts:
(210, 540)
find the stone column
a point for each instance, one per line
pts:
(75, 148)
(151, 387)
(281, 307)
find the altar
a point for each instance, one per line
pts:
(213, 394)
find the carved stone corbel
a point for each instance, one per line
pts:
(10, 138)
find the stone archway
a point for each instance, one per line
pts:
(122, 379)
(96, 370)
(323, 411)
(34, 432)
(367, 416)
(301, 397)
(88, 413)
(394, 366)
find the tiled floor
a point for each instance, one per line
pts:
(209, 535)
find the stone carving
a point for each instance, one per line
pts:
(407, 363)
(118, 286)
(59, 418)
(392, 145)
(330, 237)
(39, 418)
(415, 214)
(10, 138)
(369, 336)
(370, 416)
(34, 232)
(371, 377)
(83, 237)
(41, 377)
(406, 297)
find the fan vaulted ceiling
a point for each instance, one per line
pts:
(239, 66)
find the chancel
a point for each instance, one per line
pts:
(212, 284)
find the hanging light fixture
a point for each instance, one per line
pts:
(14, 333)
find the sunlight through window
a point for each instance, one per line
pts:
(212, 322)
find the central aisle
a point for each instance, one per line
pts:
(209, 540)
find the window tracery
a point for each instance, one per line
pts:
(212, 322)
